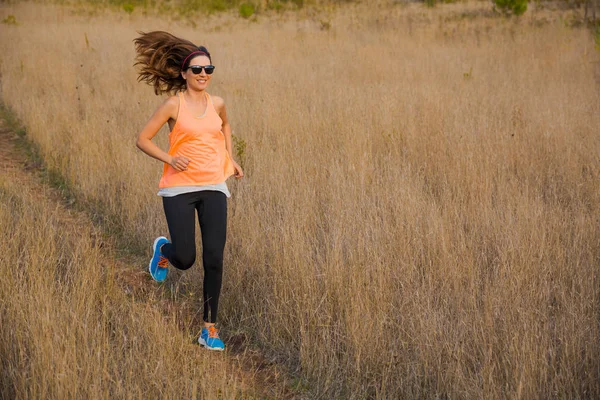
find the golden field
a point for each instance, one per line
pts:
(419, 216)
(69, 331)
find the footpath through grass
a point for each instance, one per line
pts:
(81, 320)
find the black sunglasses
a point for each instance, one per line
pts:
(197, 69)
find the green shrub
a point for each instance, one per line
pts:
(128, 7)
(247, 10)
(279, 5)
(10, 20)
(218, 5)
(239, 145)
(275, 5)
(511, 7)
(210, 6)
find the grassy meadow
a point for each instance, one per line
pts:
(67, 328)
(419, 216)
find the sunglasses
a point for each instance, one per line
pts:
(197, 69)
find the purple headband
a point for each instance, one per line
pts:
(191, 54)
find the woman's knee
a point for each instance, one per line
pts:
(184, 260)
(213, 259)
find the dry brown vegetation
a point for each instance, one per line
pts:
(68, 328)
(419, 217)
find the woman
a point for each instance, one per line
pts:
(196, 167)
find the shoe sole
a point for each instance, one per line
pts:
(154, 251)
(205, 345)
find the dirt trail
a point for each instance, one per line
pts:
(266, 378)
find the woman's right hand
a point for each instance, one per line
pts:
(179, 163)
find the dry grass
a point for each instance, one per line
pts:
(69, 331)
(419, 217)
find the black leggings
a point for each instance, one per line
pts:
(181, 252)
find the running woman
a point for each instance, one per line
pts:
(196, 167)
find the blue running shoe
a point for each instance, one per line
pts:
(158, 264)
(209, 338)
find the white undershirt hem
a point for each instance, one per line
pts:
(176, 190)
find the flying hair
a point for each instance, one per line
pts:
(161, 57)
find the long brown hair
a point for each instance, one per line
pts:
(161, 57)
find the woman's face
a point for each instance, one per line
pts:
(197, 81)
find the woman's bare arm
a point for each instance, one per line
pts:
(165, 112)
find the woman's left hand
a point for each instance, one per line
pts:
(238, 170)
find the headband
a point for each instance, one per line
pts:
(191, 54)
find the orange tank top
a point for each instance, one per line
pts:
(200, 139)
